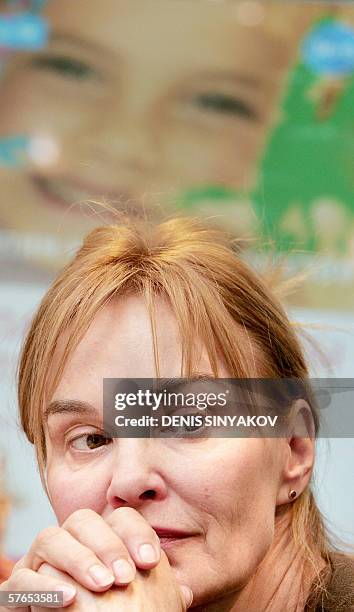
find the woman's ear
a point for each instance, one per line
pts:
(300, 452)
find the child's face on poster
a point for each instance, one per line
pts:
(139, 102)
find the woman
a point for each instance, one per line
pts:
(231, 522)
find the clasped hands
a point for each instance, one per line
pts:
(101, 564)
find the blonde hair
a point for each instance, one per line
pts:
(212, 292)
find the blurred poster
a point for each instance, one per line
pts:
(240, 110)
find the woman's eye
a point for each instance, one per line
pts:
(225, 104)
(193, 428)
(190, 425)
(65, 66)
(90, 441)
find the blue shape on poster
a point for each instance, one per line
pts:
(23, 31)
(13, 150)
(329, 49)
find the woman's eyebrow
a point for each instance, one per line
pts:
(172, 384)
(69, 406)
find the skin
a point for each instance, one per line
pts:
(229, 495)
(136, 116)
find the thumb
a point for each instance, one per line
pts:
(187, 595)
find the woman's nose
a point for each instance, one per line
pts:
(136, 474)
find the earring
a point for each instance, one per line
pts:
(292, 494)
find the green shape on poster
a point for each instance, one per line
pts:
(308, 158)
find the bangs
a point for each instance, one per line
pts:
(202, 319)
(218, 300)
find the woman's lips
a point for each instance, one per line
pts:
(170, 537)
(66, 193)
(168, 542)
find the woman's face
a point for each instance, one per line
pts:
(136, 101)
(223, 492)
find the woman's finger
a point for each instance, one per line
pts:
(138, 536)
(60, 549)
(92, 531)
(29, 580)
(187, 594)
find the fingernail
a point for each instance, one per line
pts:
(187, 594)
(148, 554)
(101, 575)
(123, 570)
(68, 591)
